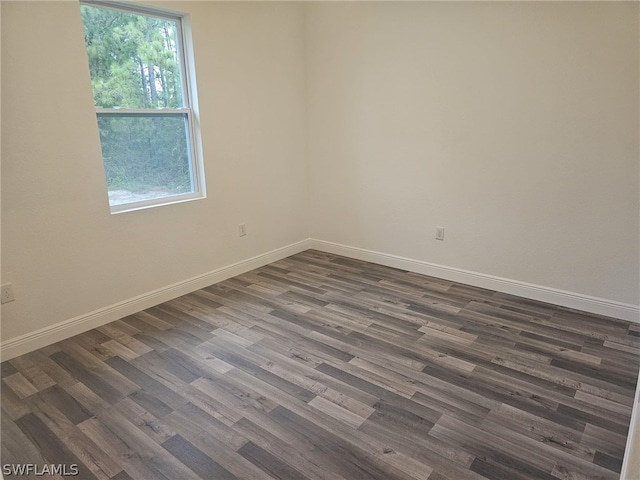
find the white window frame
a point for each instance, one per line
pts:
(186, 61)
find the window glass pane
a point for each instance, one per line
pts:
(133, 59)
(145, 156)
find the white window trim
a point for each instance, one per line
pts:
(185, 54)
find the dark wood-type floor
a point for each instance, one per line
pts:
(323, 367)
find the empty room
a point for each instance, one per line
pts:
(320, 240)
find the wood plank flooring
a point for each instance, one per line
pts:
(322, 367)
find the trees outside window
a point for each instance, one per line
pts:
(143, 104)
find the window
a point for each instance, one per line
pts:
(144, 105)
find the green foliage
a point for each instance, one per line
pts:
(133, 59)
(134, 64)
(146, 153)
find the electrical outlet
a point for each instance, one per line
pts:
(6, 293)
(439, 233)
(242, 230)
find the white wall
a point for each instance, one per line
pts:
(513, 125)
(65, 254)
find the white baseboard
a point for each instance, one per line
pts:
(65, 329)
(541, 293)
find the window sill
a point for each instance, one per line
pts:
(157, 202)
